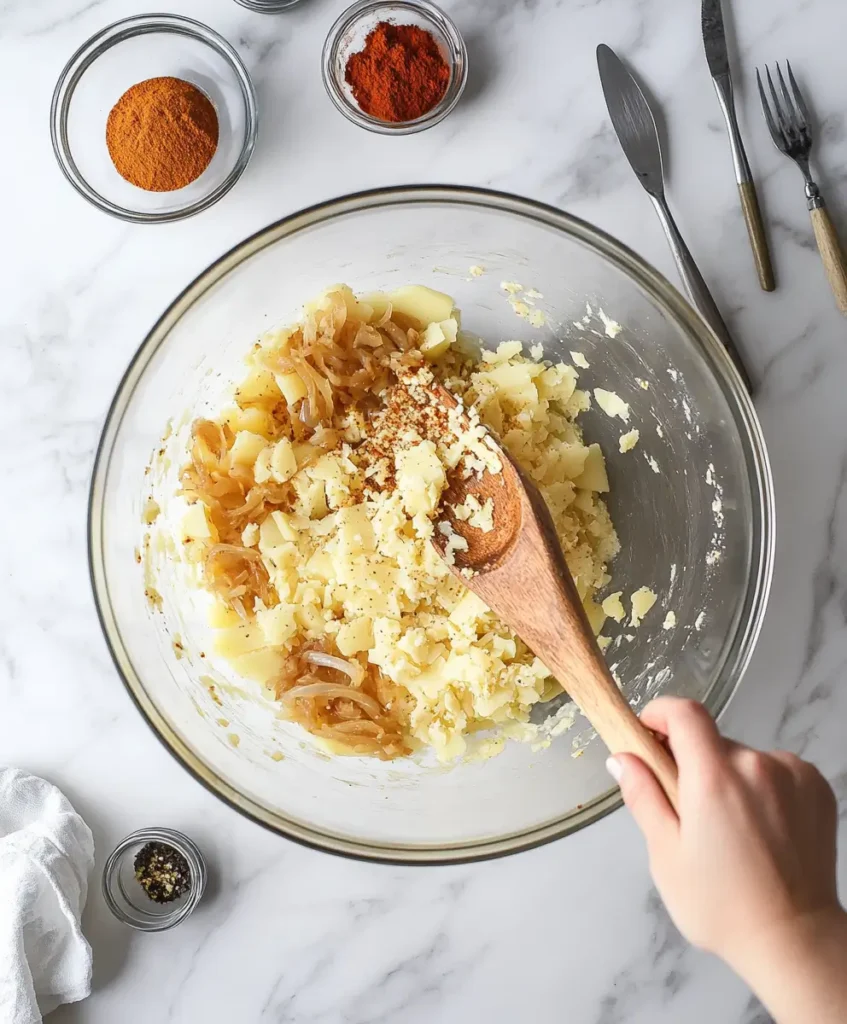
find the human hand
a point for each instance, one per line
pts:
(749, 863)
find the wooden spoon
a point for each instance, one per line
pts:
(519, 571)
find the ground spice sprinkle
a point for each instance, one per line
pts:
(400, 74)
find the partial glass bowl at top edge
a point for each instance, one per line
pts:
(269, 6)
(348, 36)
(692, 503)
(131, 51)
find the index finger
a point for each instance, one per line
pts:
(690, 731)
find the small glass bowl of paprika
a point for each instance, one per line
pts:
(154, 118)
(394, 68)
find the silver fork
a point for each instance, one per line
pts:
(788, 121)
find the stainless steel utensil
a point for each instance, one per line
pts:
(636, 130)
(788, 121)
(714, 40)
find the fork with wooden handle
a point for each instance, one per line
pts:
(789, 124)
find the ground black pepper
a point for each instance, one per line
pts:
(162, 872)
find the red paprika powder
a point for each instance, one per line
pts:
(400, 74)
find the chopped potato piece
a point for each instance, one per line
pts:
(420, 478)
(355, 636)
(246, 447)
(594, 476)
(196, 525)
(291, 387)
(505, 351)
(277, 624)
(425, 305)
(629, 440)
(283, 461)
(438, 337)
(596, 614)
(611, 403)
(258, 388)
(642, 601)
(252, 419)
(234, 641)
(259, 665)
(572, 460)
(613, 607)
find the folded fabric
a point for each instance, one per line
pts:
(46, 856)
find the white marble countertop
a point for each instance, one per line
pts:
(570, 932)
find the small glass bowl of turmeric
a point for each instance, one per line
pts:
(154, 118)
(394, 68)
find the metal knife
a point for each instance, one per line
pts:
(714, 40)
(635, 127)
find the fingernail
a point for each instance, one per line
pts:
(614, 768)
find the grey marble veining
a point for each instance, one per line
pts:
(570, 932)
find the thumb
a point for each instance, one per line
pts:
(644, 797)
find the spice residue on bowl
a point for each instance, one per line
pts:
(400, 74)
(162, 134)
(162, 872)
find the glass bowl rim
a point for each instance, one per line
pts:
(92, 49)
(445, 105)
(667, 299)
(268, 6)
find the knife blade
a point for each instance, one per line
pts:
(636, 130)
(714, 38)
(632, 120)
(717, 57)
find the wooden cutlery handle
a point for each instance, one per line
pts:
(832, 255)
(756, 231)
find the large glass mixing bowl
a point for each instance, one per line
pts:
(692, 503)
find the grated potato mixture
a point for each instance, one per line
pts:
(313, 511)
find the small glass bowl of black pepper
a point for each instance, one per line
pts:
(129, 52)
(153, 879)
(347, 37)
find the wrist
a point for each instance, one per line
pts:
(792, 954)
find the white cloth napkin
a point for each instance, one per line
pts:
(46, 855)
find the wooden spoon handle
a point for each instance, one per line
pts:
(623, 733)
(532, 590)
(590, 684)
(565, 642)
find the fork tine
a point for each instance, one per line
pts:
(798, 97)
(772, 128)
(777, 109)
(791, 112)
